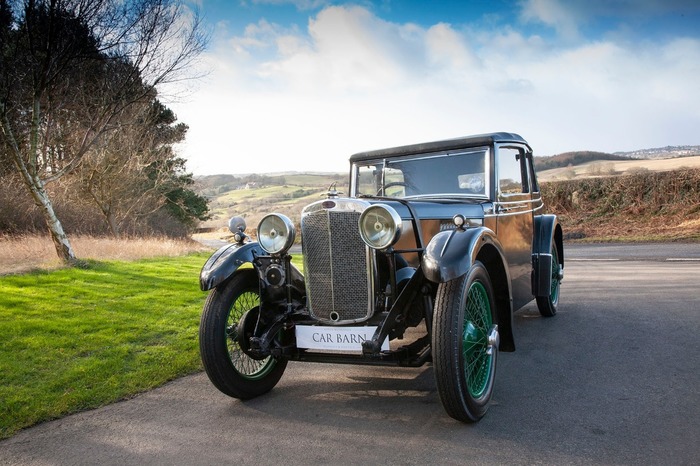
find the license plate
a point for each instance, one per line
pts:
(335, 338)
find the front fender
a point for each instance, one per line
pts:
(225, 261)
(451, 253)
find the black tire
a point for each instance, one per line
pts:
(229, 368)
(465, 344)
(547, 305)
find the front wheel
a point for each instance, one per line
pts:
(226, 363)
(465, 344)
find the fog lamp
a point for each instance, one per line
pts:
(237, 226)
(380, 226)
(276, 233)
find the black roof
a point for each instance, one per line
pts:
(440, 146)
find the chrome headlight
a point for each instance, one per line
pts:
(276, 233)
(380, 226)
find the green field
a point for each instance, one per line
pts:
(287, 194)
(79, 338)
(75, 339)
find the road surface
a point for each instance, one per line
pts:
(612, 379)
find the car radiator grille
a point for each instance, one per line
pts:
(336, 267)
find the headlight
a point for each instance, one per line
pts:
(275, 233)
(380, 226)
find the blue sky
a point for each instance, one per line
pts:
(303, 84)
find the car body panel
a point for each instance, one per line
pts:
(457, 202)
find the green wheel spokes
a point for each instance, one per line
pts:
(476, 352)
(554, 290)
(245, 365)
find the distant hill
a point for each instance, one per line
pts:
(252, 196)
(213, 181)
(212, 186)
(585, 164)
(574, 158)
(667, 152)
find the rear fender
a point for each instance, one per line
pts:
(548, 234)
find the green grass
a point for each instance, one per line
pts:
(75, 339)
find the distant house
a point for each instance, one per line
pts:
(251, 185)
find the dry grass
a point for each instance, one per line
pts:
(650, 206)
(29, 252)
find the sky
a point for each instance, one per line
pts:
(300, 85)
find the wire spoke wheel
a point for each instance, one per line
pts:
(465, 344)
(226, 362)
(244, 364)
(555, 280)
(475, 345)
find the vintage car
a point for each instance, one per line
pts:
(425, 261)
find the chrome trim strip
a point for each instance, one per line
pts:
(519, 212)
(522, 201)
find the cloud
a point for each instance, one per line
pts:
(284, 98)
(553, 13)
(446, 48)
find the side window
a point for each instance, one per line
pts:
(531, 170)
(510, 161)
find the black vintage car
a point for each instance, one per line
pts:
(424, 262)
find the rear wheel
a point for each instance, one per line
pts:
(231, 310)
(465, 344)
(547, 305)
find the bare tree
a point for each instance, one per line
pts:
(70, 70)
(128, 176)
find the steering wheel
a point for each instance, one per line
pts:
(389, 185)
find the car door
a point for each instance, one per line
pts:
(514, 212)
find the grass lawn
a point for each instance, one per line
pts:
(74, 339)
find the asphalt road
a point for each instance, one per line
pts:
(671, 252)
(612, 379)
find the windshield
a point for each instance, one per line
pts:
(427, 175)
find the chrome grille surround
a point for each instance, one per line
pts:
(339, 268)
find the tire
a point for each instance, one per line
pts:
(229, 368)
(548, 304)
(465, 344)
